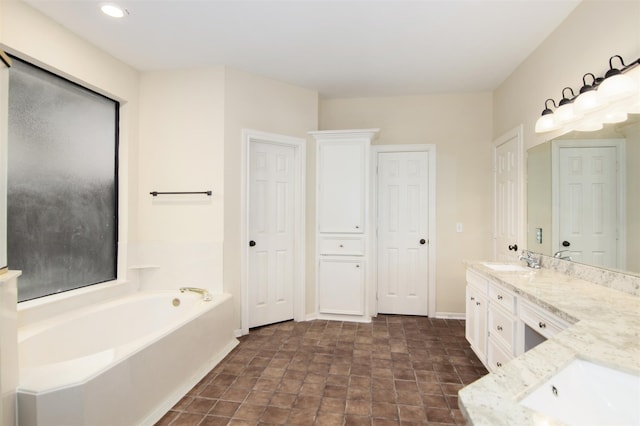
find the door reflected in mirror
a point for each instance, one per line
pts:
(584, 197)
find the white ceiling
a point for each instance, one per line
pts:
(342, 48)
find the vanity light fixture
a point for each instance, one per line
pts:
(114, 10)
(547, 122)
(616, 85)
(606, 99)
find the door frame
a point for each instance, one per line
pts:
(621, 182)
(299, 250)
(372, 272)
(515, 133)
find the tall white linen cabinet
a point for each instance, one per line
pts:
(342, 223)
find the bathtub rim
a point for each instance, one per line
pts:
(53, 305)
(28, 330)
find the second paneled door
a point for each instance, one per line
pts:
(403, 225)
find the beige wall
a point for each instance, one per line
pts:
(257, 103)
(460, 125)
(583, 43)
(182, 149)
(34, 37)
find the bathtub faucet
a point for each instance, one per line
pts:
(206, 296)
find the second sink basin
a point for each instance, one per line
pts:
(586, 393)
(506, 267)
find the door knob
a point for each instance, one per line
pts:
(513, 247)
(566, 244)
(423, 241)
(252, 243)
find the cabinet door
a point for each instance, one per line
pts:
(341, 286)
(470, 320)
(476, 322)
(341, 186)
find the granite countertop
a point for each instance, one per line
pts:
(605, 330)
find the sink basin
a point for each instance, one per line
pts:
(587, 393)
(506, 267)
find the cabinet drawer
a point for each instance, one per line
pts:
(502, 297)
(496, 356)
(502, 327)
(342, 246)
(540, 320)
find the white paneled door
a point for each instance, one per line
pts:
(403, 237)
(271, 233)
(588, 205)
(508, 217)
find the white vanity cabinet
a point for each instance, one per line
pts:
(476, 317)
(342, 231)
(501, 325)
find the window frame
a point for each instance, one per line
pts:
(115, 267)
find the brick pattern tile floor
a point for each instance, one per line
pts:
(396, 370)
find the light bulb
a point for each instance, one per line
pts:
(588, 102)
(565, 113)
(589, 125)
(616, 87)
(546, 123)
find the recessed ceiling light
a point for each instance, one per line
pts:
(114, 11)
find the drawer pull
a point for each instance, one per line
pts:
(341, 246)
(499, 364)
(499, 328)
(542, 325)
(358, 265)
(499, 297)
(477, 303)
(472, 298)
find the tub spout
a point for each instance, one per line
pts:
(206, 296)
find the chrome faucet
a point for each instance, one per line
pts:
(559, 255)
(206, 296)
(532, 260)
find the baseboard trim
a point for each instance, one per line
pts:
(237, 332)
(311, 317)
(315, 315)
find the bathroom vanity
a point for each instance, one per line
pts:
(501, 324)
(529, 324)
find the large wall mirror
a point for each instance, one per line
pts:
(5, 63)
(584, 197)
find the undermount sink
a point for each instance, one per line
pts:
(587, 393)
(506, 267)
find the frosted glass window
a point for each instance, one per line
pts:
(62, 183)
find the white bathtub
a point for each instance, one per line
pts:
(123, 362)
